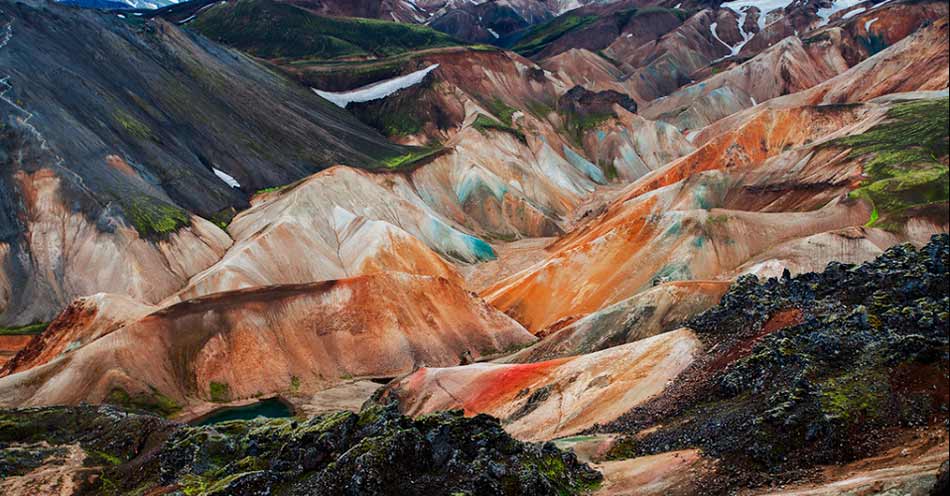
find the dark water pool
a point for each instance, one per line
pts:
(270, 408)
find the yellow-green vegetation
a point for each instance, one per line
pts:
(154, 218)
(105, 457)
(538, 37)
(223, 217)
(415, 157)
(131, 125)
(271, 189)
(153, 401)
(277, 30)
(857, 395)
(400, 123)
(482, 47)
(220, 392)
(610, 170)
(484, 123)
(716, 220)
(577, 124)
(501, 110)
(539, 109)
(27, 330)
(906, 157)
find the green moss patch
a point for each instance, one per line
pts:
(905, 159)
(27, 330)
(220, 392)
(415, 157)
(132, 126)
(484, 123)
(501, 110)
(154, 218)
(153, 401)
(541, 35)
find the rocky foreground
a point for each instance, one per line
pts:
(796, 373)
(103, 450)
(820, 369)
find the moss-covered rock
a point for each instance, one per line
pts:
(815, 369)
(154, 218)
(377, 451)
(906, 159)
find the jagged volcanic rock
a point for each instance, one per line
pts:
(816, 369)
(375, 452)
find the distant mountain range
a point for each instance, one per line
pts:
(119, 4)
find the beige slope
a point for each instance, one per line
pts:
(918, 62)
(654, 311)
(338, 223)
(555, 398)
(581, 67)
(72, 255)
(787, 67)
(630, 146)
(504, 185)
(792, 64)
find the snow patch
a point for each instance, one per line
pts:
(867, 25)
(825, 13)
(742, 13)
(224, 176)
(376, 91)
(493, 33)
(849, 15)
(712, 30)
(764, 6)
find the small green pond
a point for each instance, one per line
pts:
(269, 408)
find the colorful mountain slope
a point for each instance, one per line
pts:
(217, 347)
(104, 178)
(555, 398)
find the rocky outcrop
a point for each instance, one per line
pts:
(375, 452)
(816, 369)
(585, 103)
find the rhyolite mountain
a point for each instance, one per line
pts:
(475, 247)
(156, 127)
